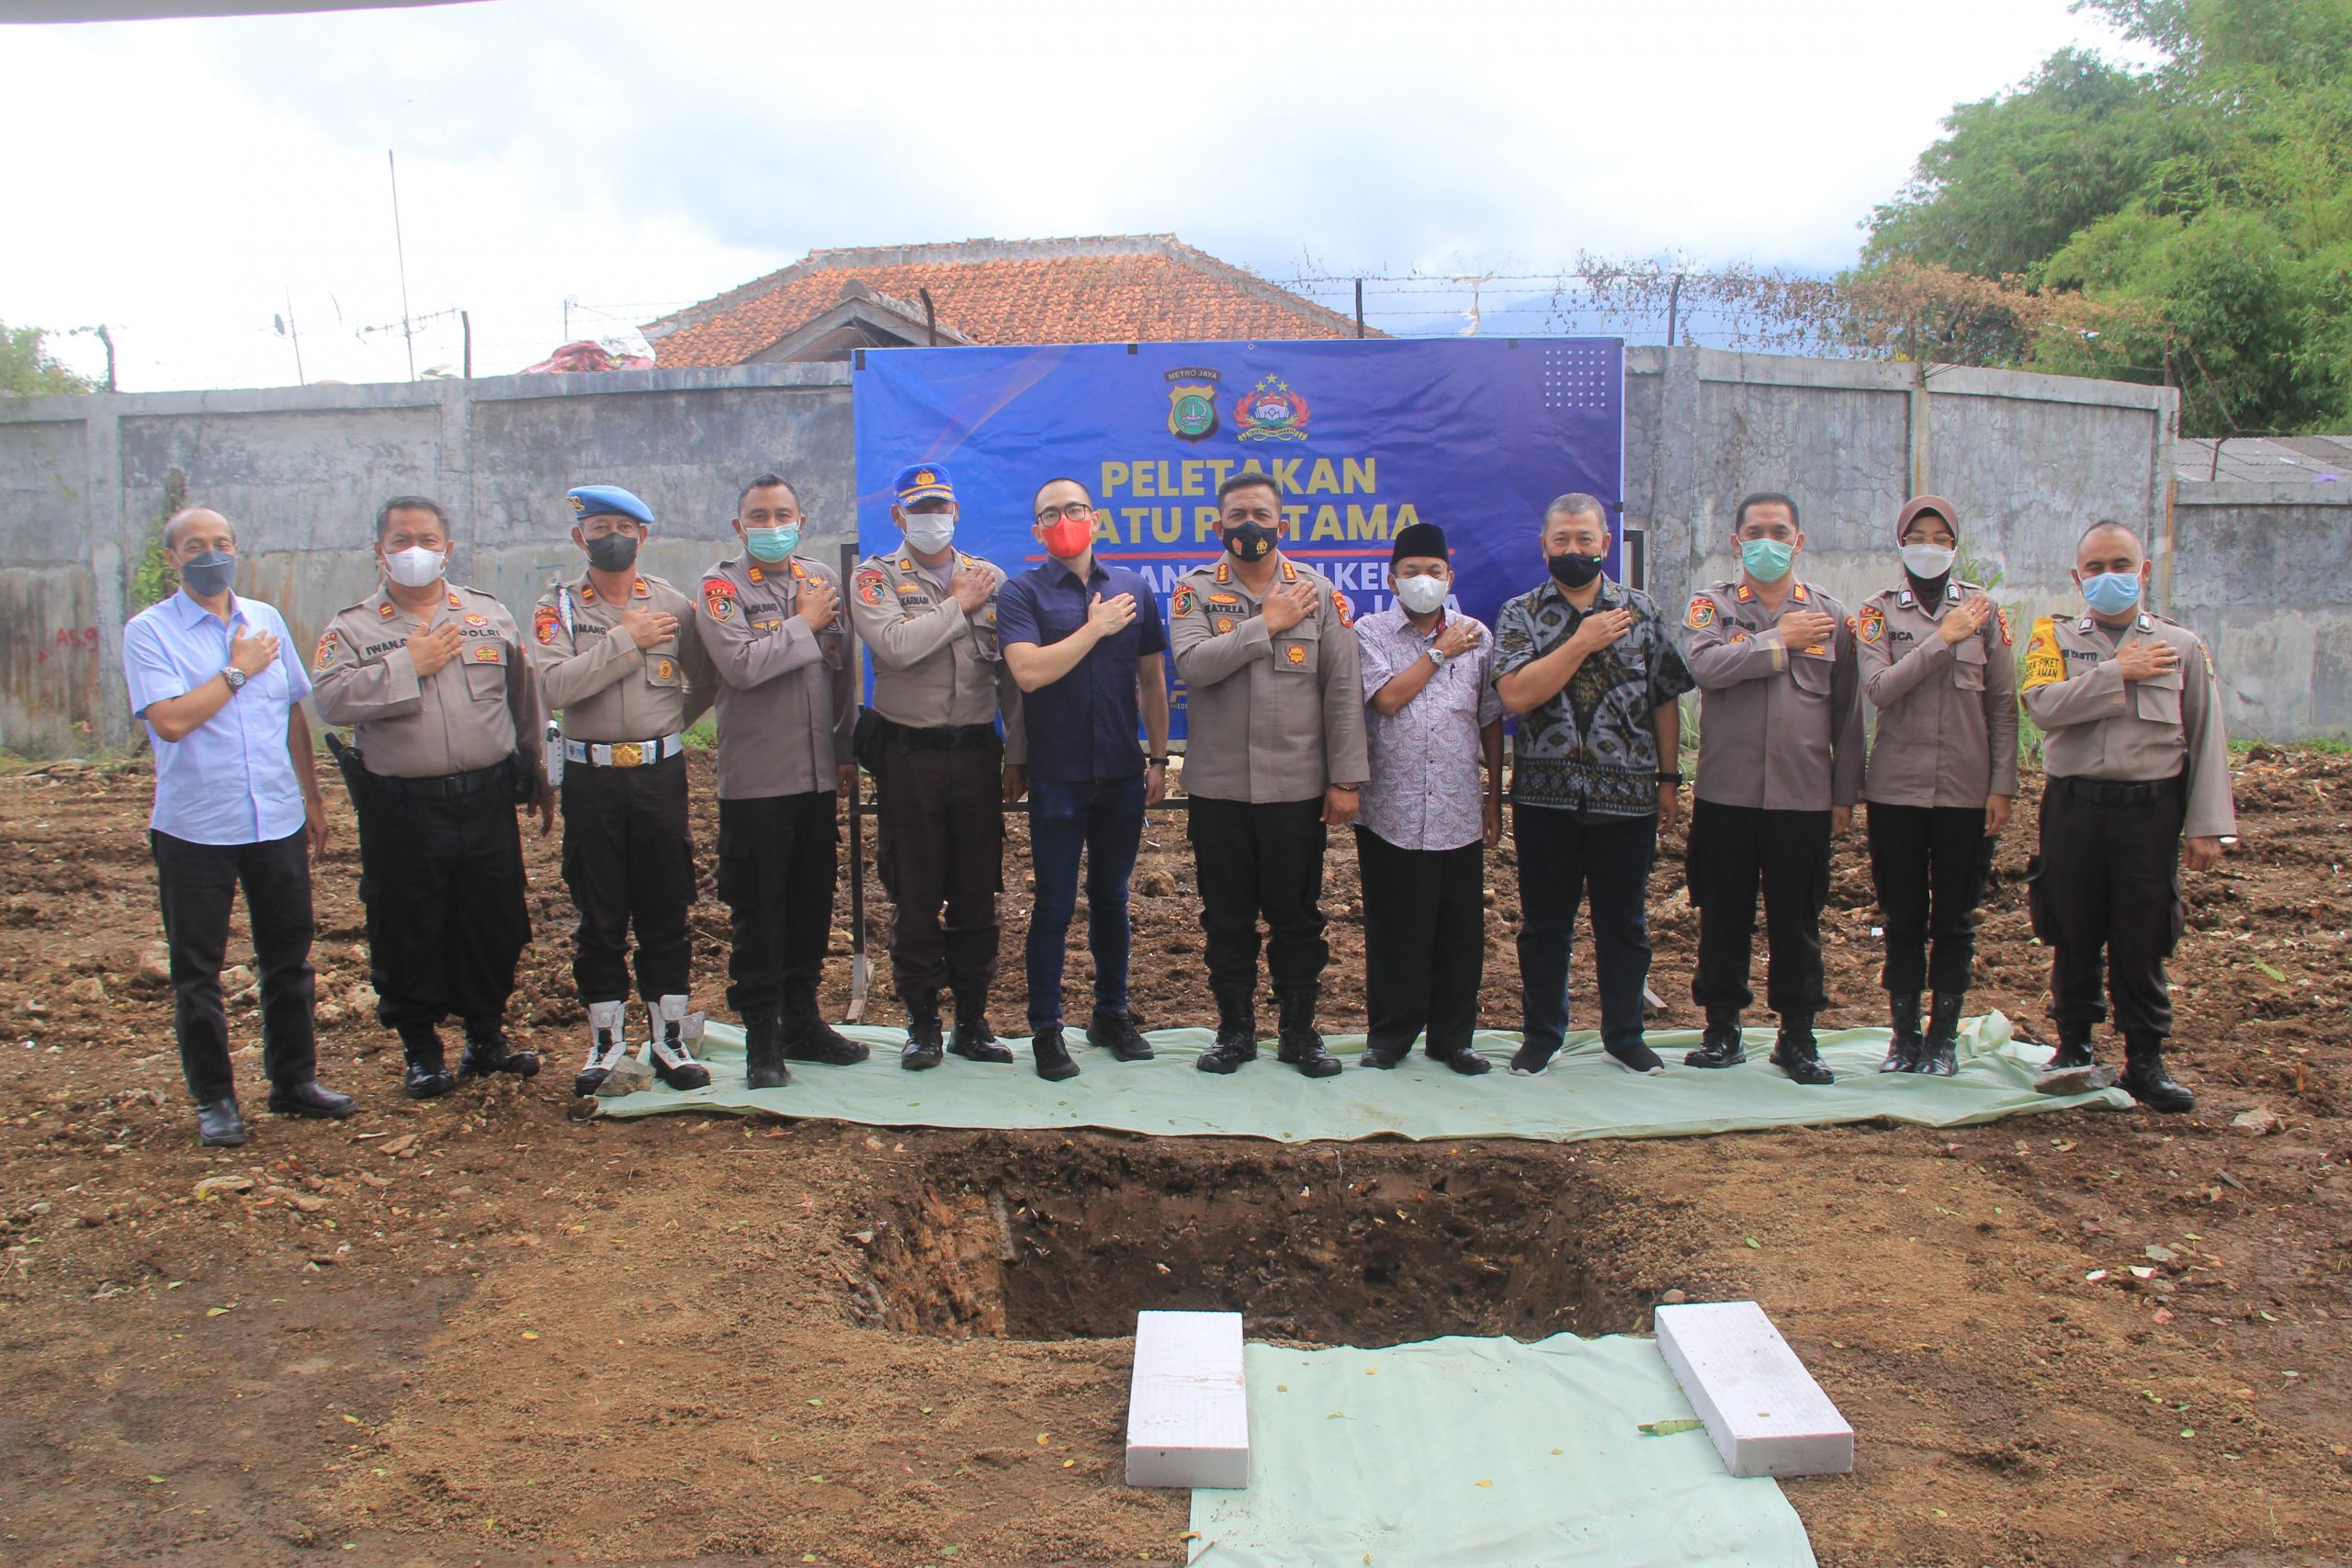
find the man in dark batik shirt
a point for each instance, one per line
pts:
(1587, 665)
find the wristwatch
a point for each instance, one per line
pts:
(1157, 761)
(1437, 656)
(236, 679)
(1668, 778)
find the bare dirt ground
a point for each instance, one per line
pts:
(480, 1330)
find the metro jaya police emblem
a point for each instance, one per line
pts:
(1192, 403)
(1270, 411)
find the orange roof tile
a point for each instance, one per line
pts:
(1120, 288)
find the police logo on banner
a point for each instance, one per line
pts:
(1192, 403)
(1272, 410)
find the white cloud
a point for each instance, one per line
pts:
(636, 155)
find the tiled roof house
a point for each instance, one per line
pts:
(1115, 289)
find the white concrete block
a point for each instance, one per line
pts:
(1763, 1409)
(1188, 1409)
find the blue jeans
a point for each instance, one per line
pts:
(1104, 820)
(1560, 862)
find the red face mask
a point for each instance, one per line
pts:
(1066, 539)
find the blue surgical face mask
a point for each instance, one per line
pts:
(1766, 560)
(771, 545)
(2112, 593)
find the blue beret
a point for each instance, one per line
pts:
(595, 500)
(919, 482)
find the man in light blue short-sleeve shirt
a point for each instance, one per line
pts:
(237, 801)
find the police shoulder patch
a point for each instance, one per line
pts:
(1870, 624)
(2001, 617)
(545, 622)
(1180, 602)
(718, 598)
(325, 654)
(870, 583)
(1702, 613)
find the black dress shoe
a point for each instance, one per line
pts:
(219, 1124)
(312, 1098)
(1463, 1059)
(1113, 1029)
(1385, 1058)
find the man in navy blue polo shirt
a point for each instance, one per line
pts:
(1086, 644)
(237, 803)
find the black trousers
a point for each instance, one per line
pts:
(1929, 864)
(442, 878)
(941, 842)
(197, 882)
(1561, 861)
(1260, 859)
(1732, 849)
(628, 856)
(2106, 895)
(778, 859)
(1424, 943)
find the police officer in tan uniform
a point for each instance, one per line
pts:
(616, 650)
(1936, 662)
(1780, 764)
(1275, 758)
(445, 712)
(788, 700)
(926, 614)
(2137, 781)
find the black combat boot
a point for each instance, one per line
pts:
(219, 1124)
(924, 1047)
(1298, 1044)
(1236, 1028)
(428, 1076)
(2144, 1076)
(1903, 1052)
(1942, 1057)
(487, 1051)
(1113, 1029)
(2074, 1069)
(807, 1037)
(312, 1098)
(1720, 1046)
(975, 1040)
(763, 1050)
(1795, 1052)
(1052, 1055)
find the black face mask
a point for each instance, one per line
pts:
(209, 574)
(1573, 571)
(1249, 541)
(612, 552)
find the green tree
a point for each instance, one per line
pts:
(26, 369)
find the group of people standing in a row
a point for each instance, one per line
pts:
(1301, 717)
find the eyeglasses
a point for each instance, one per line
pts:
(1076, 511)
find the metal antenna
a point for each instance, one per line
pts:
(399, 251)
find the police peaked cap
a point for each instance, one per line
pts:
(598, 500)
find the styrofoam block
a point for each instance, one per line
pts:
(1763, 1409)
(1188, 1409)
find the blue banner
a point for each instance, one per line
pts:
(1363, 438)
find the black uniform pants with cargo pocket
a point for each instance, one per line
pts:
(778, 860)
(441, 873)
(1928, 864)
(2106, 895)
(628, 858)
(197, 882)
(1732, 849)
(940, 839)
(1252, 859)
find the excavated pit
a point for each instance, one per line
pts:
(1048, 1238)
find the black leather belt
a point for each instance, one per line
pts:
(447, 786)
(2110, 792)
(943, 738)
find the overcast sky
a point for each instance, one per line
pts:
(180, 181)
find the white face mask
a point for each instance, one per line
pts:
(931, 531)
(1421, 594)
(1927, 562)
(416, 567)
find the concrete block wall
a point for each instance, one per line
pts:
(2029, 460)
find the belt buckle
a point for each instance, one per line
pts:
(629, 754)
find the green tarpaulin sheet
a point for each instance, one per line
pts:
(1484, 1452)
(1585, 1095)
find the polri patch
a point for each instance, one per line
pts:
(1870, 624)
(546, 624)
(1701, 614)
